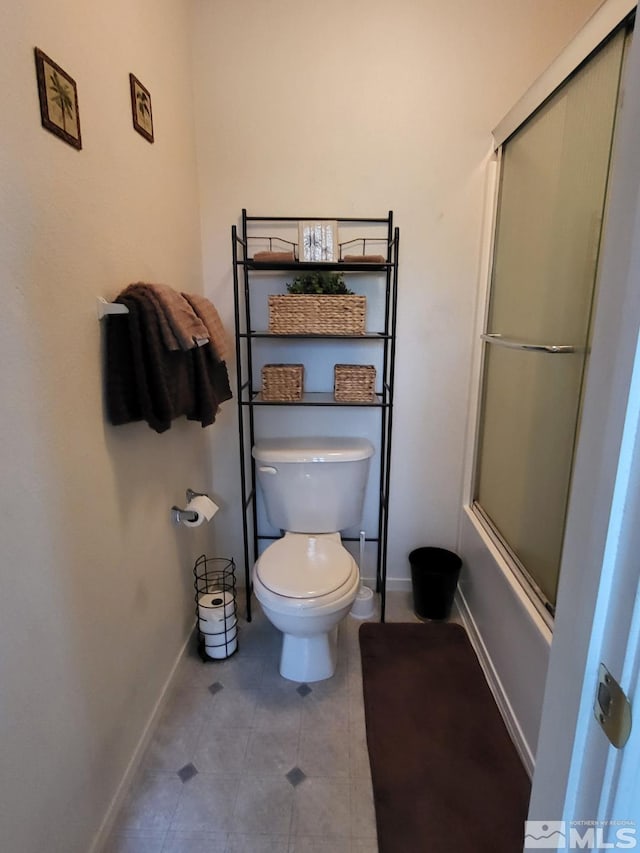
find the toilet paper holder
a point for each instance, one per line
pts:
(179, 515)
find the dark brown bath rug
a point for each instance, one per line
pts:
(446, 776)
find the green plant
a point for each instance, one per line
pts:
(61, 98)
(143, 106)
(318, 281)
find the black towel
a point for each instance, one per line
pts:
(146, 381)
(210, 386)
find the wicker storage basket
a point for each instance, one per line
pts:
(282, 382)
(354, 383)
(313, 314)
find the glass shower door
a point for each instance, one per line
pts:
(550, 212)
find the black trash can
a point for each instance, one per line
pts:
(434, 577)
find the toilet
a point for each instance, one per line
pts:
(307, 581)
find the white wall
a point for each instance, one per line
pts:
(356, 108)
(96, 583)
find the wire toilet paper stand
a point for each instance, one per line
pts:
(216, 607)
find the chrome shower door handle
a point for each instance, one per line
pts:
(510, 343)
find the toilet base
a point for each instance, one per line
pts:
(309, 658)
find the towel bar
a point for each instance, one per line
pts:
(104, 308)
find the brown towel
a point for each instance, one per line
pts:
(146, 381)
(178, 322)
(207, 312)
(364, 259)
(274, 257)
(170, 340)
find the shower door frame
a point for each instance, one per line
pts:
(494, 601)
(544, 602)
(515, 120)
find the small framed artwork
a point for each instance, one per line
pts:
(141, 108)
(58, 96)
(318, 240)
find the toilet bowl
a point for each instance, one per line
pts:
(306, 584)
(307, 581)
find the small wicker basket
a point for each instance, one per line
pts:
(282, 382)
(317, 314)
(354, 383)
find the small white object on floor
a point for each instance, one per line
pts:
(364, 606)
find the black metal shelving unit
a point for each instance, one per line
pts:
(246, 275)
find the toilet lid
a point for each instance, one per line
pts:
(303, 566)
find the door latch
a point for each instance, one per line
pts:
(612, 708)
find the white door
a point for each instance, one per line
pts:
(579, 775)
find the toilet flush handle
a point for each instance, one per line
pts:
(267, 469)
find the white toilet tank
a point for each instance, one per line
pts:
(313, 485)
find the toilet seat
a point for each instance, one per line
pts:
(306, 566)
(307, 608)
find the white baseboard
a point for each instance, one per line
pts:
(399, 584)
(393, 584)
(118, 799)
(495, 684)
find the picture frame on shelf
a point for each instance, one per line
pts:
(318, 240)
(58, 95)
(141, 108)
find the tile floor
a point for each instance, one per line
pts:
(244, 761)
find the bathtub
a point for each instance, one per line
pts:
(510, 637)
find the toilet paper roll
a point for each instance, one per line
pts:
(215, 605)
(204, 508)
(216, 640)
(223, 651)
(213, 627)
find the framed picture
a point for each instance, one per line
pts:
(318, 240)
(58, 96)
(141, 108)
